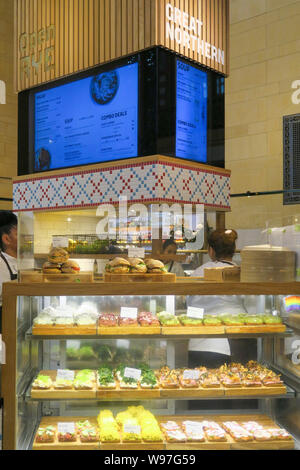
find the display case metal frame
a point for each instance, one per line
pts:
(13, 290)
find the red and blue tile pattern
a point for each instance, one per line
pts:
(140, 182)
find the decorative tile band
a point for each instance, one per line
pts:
(143, 182)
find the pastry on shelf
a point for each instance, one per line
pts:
(106, 379)
(232, 380)
(233, 320)
(251, 380)
(43, 320)
(210, 380)
(237, 432)
(89, 435)
(262, 435)
(84, 380)
(148, 380)
(45, 435)
(188, 321)
(175, 436)
(270, 379)
(148, 319)
(81, 425)
(210, 320)
(193, 431)
(131, 430)
(128, 321)
(168, 379)
(168, 319)
(279, 434)
(188, 382)
(85, 320)
(108, 319)
(68, 436)
(254, 320)
(272, 320)
(42, 382)
(63, 384)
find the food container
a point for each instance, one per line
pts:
(267, 263)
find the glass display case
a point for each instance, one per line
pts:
(82, 352)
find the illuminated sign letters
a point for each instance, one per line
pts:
(187, 31)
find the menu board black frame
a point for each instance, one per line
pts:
(156, 107)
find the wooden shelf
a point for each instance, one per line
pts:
(159, 393)
(180, 287)
(155, 332)
(229, 444)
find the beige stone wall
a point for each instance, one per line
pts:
(8, 111)
(265, 60)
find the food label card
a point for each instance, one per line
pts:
(65, 374)
(194, 312)
(191, 374)
(129, 313)
(132, 373)
(66, 428)
(60, 242)
(131, 429)
(134, 252)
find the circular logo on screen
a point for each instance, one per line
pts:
(42, 160)
(104, 87)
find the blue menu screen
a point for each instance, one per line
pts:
(91, 120)
(191, 113)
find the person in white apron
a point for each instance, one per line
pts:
(8, 251)
(215, 352)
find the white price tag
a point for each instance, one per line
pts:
(65, 374)
(132, 373)
(131, 429)
(129, 312)
(134, 252)
(191, 374)
(194, 312)
(60, 242)
(66, 428)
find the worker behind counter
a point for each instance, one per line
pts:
(170, 248)
(215, 352)
(8, 251)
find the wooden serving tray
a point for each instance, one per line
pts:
(229, 444)
(69, 330)
(128, 330)
(132, 394)
(53, 394)
(192, 331)
(200, 392)
(136, 277)
(148, 394)
(78, 445)
(255, 329)
(253, 391)
(34, 276)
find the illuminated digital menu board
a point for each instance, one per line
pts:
(90, 120)
(191, 113)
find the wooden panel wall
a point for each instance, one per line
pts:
(90, 32)
(215, 31)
